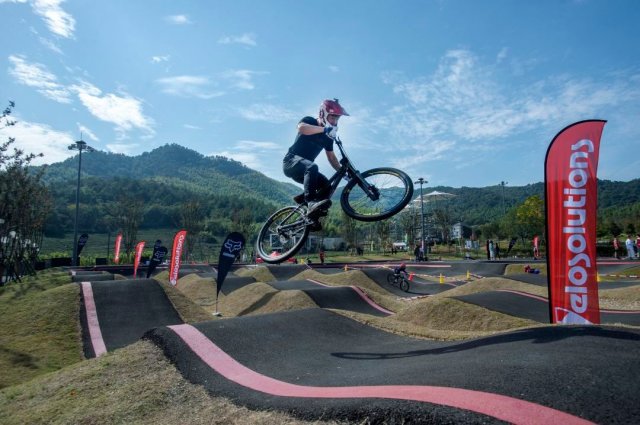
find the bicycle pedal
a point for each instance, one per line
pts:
(316, 226)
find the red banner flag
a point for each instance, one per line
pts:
(136, 261)
(571, 200)
(116, 249)
(176, 254)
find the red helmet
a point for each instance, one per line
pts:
(330, 107)
(403, 265)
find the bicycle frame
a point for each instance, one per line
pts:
(292, 225)
(346, 169)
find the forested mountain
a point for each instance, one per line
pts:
(481, 205)
(174, 165)
(170, 176)
(164, 179)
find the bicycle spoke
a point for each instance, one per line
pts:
(282, 235)
(386, 191)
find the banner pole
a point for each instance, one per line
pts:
(217, 313)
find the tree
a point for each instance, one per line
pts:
(243, 222)
(192, 220)
(407, 220)
(614, 229)
(530, 217)
(384, 234)
(24, 206)
(350, 230)
(126, 214)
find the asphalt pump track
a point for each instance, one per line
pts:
(317, 364)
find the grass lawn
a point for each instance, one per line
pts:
(39, 331)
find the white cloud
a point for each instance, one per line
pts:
(247, 39)
(123, 111)
(38, 76)
(241, 78)
(50, 45)
(253, 153)
(57, 20)
(334, 68)
(464, 102)
(178, 19)
(126, 149)
(158, 59)
(502, 54)
(189, 86)
(250, 159)
(252, 145)
(192, 127)
(39, 138)
(87, 131)
(205, 87)
(266, 112)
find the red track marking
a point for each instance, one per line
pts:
(92, 320)
(498, 406)
(361, 294)
(545, 300)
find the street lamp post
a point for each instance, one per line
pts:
(422, 181)
(503, 184)
(79, 145)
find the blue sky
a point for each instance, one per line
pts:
(461, 93)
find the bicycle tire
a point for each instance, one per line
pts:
(395, 190)
(391, 279)
(282, 235)
(404, 285)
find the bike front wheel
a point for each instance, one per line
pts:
(392, 279)
(379, 194)
(404, 285)
(282, 235)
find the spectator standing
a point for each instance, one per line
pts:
(488, 252)
(497, 248)
(512, 243)
(492, 251)
(638, 245)
(629, 245)
(416, 253)
(616, 246)
(536, 250)
(321, 255)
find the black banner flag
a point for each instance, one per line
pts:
(233, 244)
(82, 241)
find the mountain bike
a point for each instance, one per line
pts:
(370, 195)
(399, 280)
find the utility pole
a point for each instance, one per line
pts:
(79, 145)
(422, 181)
(504, 211)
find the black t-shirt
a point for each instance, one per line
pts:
(309, 147)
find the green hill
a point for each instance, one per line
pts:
(171, 175)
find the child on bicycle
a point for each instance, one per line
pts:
(314, 135)
(401, 269)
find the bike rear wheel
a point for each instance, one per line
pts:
(282, 235)
(382, 193)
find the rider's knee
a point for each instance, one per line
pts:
(312, 168)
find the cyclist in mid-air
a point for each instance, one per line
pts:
(314, 135)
